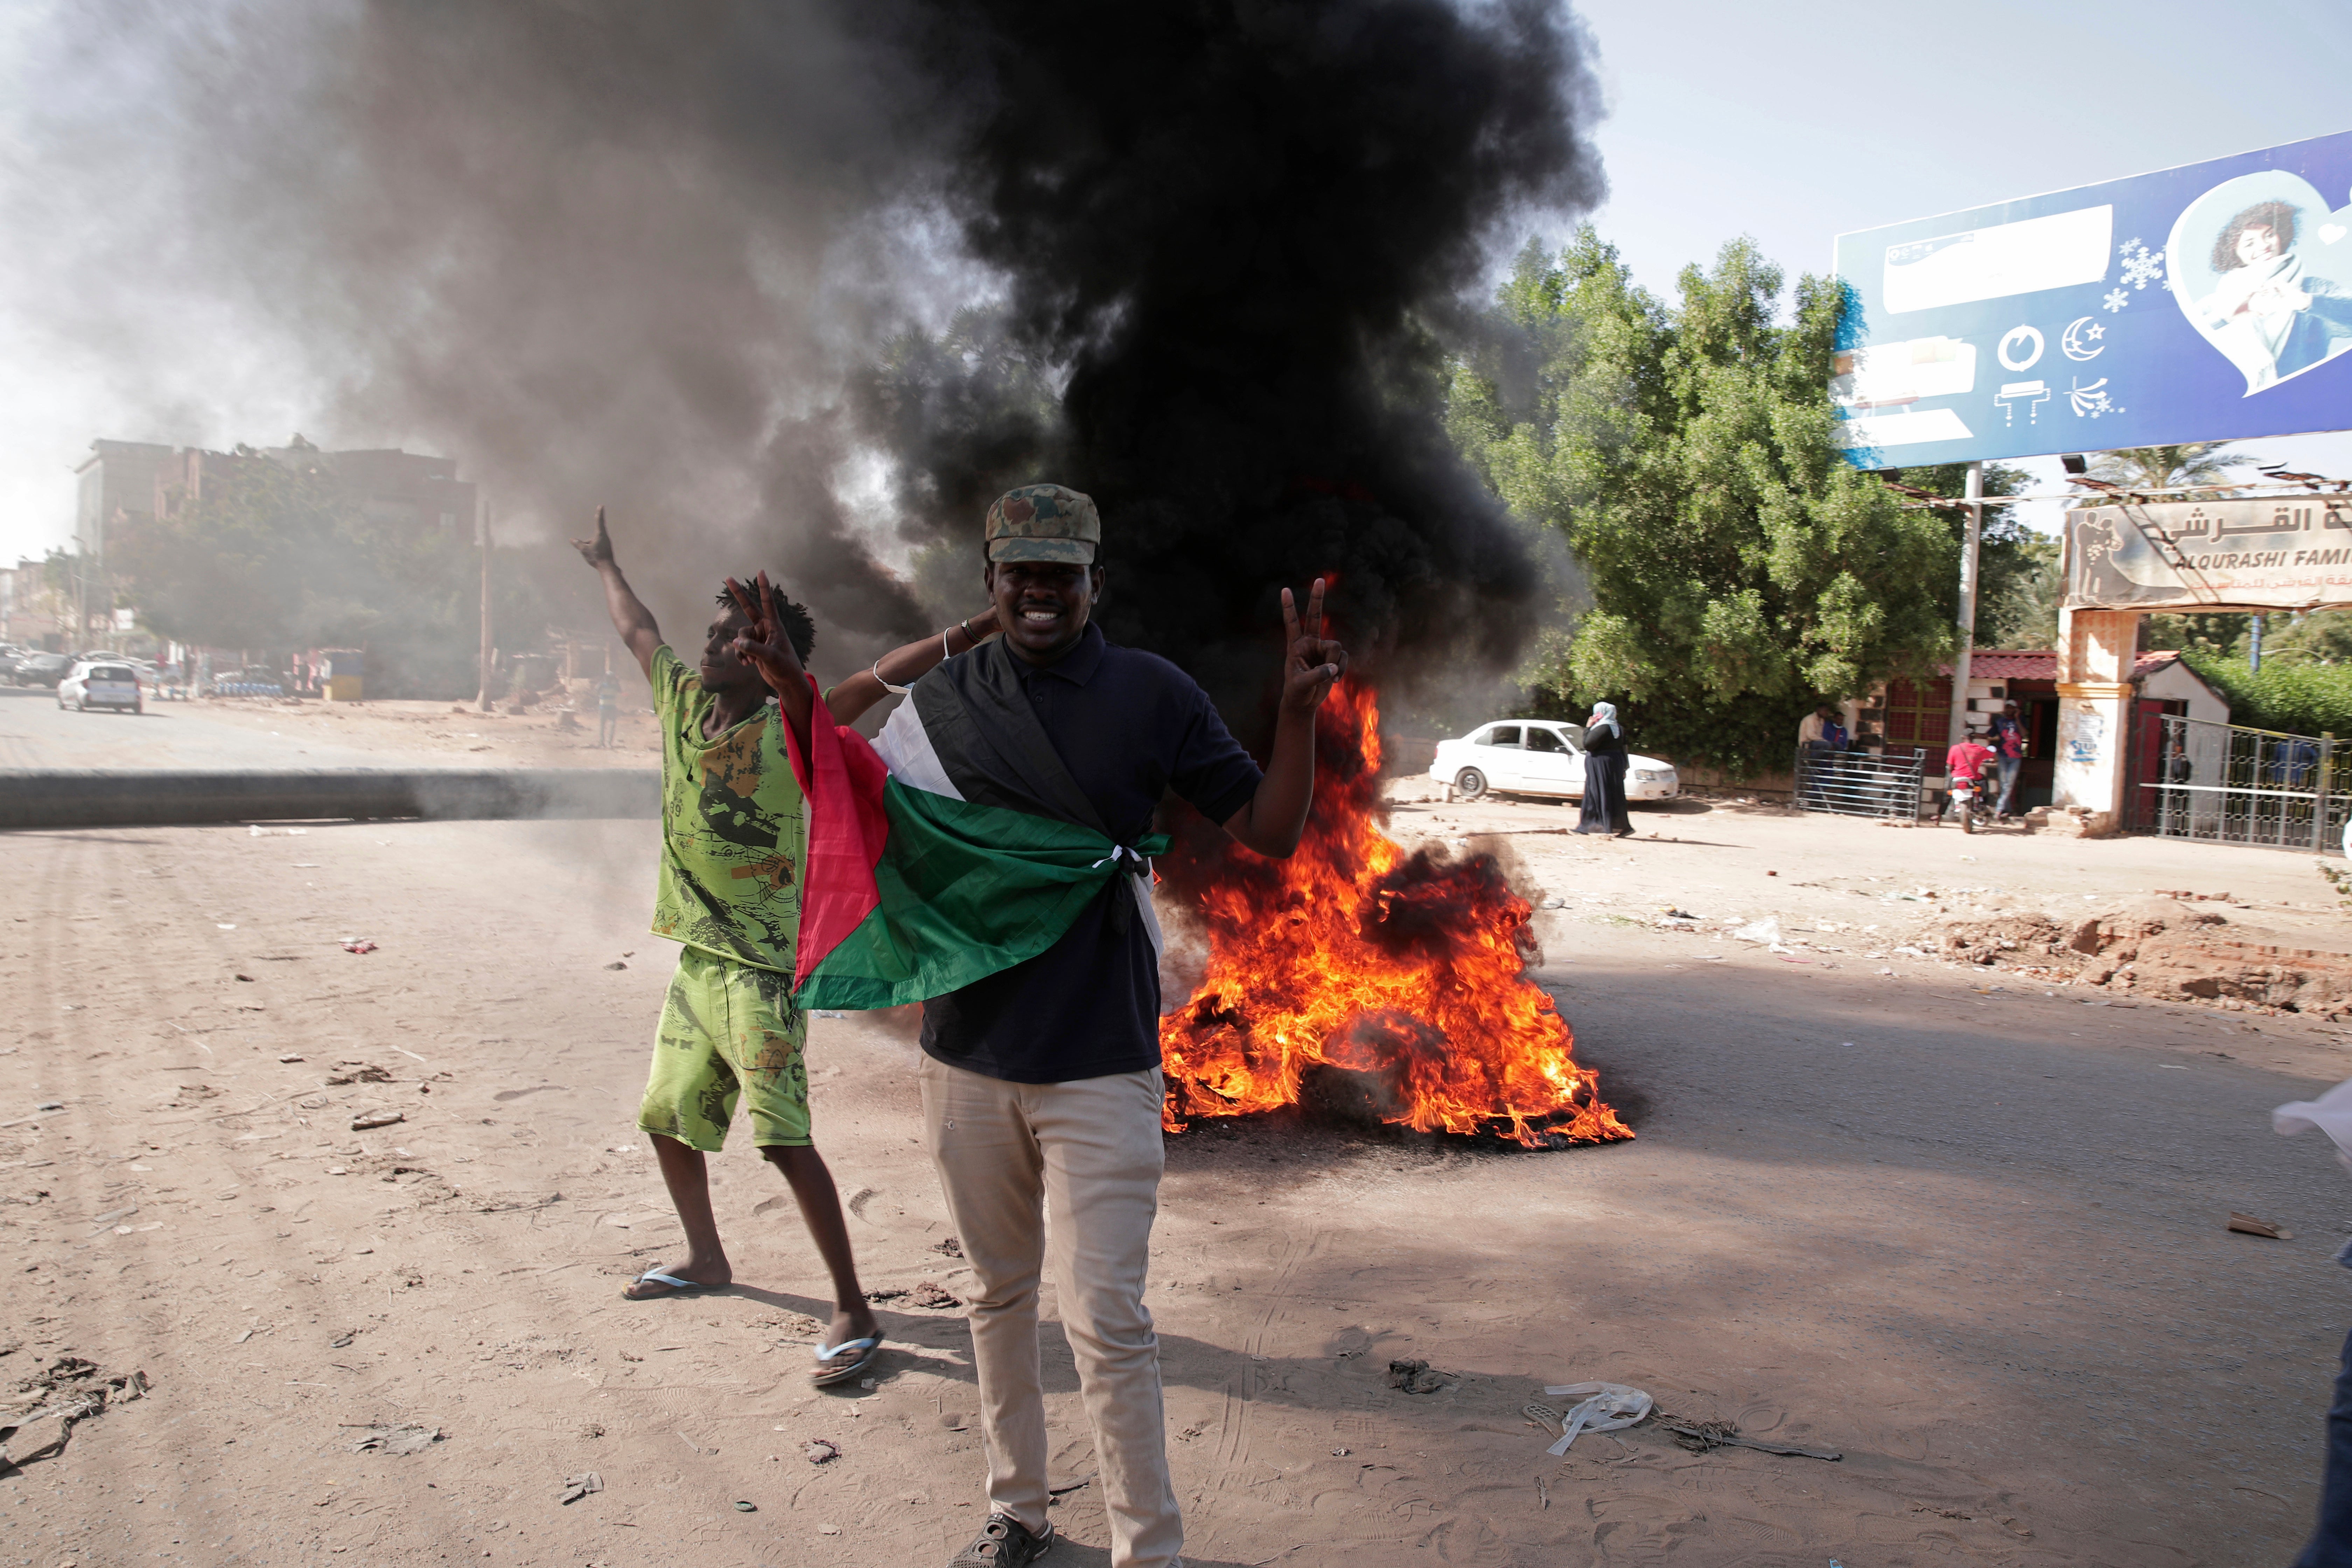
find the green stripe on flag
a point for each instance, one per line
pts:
(966, 890)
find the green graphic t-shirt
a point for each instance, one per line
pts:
(734, 829)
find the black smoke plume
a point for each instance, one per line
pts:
(701, 262)
(1238, 225)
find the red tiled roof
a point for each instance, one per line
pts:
(1994, 665)
(2041, 664)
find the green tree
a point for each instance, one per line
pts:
(2163, 467)
(2218, 633)
(2313, 636)
(2019, 589)
(244, 564)
(274, 558)
(2299, 696)
(1739, 567)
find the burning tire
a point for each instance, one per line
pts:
(1470, 783)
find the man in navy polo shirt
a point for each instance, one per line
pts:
(1041, 1084)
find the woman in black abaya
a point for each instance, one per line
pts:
(1604, 776)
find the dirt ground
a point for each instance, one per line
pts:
(1964, 1226)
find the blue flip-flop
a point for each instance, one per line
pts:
(869, 1348)
(677, 1287)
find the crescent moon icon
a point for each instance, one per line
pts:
(2080, 336)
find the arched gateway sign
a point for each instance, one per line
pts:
(2281, 553)
(2278, 553)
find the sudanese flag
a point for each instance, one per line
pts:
(954, 846)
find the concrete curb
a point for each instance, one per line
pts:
(38, 798)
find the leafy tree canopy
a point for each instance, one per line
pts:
(2302, 698)
(2165, 468)
(1740, 569)
(272, 558)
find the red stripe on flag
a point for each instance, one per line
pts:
(842, 782)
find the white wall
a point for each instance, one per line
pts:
(2176, 682)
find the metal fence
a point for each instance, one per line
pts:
(2225, 783)
(1861, 784)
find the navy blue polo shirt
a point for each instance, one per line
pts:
(1129, 727)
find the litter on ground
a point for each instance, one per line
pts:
(2247, 1225)
(396, 1440)
(1600, 1408)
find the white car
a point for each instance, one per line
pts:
(89, 685)
(1536, 756)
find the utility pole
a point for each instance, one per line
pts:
(1974, 495)
(2254, 645)
(482, 528)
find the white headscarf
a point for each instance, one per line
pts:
(1604, 717)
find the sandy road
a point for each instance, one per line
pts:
(1973, 1237)
(255, 733)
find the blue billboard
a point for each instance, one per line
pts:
(2204, 303)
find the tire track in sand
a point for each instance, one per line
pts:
(1241, 1389)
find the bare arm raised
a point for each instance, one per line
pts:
(1275, 817)
(631, 619)
(903, 664)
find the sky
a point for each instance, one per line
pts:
(1788, 124)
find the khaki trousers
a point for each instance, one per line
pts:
(1088, 1153)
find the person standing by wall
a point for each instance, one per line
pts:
(1604, 776)
(2009, 753)
(608, 710)
(1814, 749)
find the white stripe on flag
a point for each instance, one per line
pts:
(904, 748)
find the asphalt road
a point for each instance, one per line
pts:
(35, 732)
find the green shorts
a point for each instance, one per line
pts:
(728, 1031)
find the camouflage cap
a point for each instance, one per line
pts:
(1044, 522)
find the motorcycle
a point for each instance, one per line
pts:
(1969, 798)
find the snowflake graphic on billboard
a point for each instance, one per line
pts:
(2115, 300)
(2142, 266)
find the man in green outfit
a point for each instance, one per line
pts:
(734, 836)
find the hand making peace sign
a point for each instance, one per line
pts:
(1312, 663)
(763, 644)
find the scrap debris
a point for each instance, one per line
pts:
(398, 1440)
(377, 1118)
(2247, 1225)
(1600, 1408)
(930, 1293)
(1698, 1437)
(821, 1452)
(38, 1419)
(580, 1486)
(1415, 1377)
(357, 944)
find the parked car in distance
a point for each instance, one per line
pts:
(40, 669)
(1536, 756)
(250, 682)
(93, 684)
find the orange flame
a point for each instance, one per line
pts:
(1406, 973)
